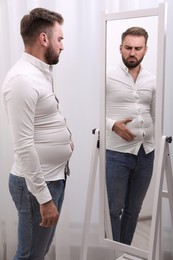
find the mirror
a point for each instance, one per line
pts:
(113, 59)
(153, 21)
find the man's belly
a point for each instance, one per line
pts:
(53, 148)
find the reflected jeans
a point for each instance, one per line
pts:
(127, 177)
(33, 240)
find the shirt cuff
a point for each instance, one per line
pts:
(109, 124)
(44, 196)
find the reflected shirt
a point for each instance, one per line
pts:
(128, 99)
(41, 139)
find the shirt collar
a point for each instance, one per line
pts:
(37, 62)
(123, 66)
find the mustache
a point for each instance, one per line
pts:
(132, 57)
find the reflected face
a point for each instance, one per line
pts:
(133, 50)
(55, 45)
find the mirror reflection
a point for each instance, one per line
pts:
(130, 118)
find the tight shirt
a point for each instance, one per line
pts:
(128, 99)
(41, 139)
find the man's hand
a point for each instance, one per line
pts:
(122, 130)
(49, 214)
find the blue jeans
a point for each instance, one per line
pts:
(127, 177)
(33, 240)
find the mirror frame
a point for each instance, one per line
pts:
(104, 219)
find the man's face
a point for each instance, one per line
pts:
(55, 45)
(133, 50)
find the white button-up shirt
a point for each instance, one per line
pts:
(128, 99)
(41, 139)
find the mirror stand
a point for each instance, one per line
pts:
(90, 194)
(129, 257)
(164, 169)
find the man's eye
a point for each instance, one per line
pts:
(59, 39)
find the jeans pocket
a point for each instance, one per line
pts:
(16, 194)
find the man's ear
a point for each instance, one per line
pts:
(43, 39)
(146, 48)
(120, 48)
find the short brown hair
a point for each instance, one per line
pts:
(137, 31)
(38, 20)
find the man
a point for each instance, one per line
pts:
(41, 140)
(130, 112)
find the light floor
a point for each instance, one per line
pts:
(142, 234)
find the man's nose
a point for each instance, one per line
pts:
(61, 47)
(132, 52)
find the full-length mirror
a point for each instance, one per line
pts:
(131, 96)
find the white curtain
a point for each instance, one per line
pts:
(77, 85)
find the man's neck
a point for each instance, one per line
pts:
(134, 72)
(34, 52)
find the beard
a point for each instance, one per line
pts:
(131, 62)
(51, 56)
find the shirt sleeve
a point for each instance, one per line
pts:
(21, 99)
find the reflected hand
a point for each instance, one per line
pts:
(49, 214)
(121, 129)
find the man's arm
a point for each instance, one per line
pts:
(21, 102)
